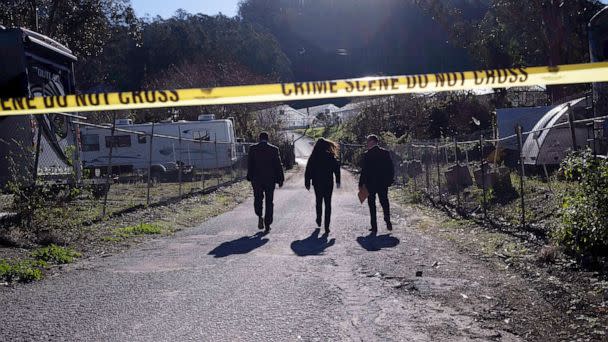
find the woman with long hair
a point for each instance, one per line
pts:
(322, 165)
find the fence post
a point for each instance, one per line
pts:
(180, 163)
(150, 166)
(109, 170)
(521, 176)
(37, 156)
(483, 177)
(77, 163)
(457, 175)
(217, 161)
(200, 140)
(572, 128)
(233, 170)
(438, 145)
(427, 167)
(413, 158)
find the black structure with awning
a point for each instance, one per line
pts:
(31, 65)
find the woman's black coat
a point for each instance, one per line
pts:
(321, 170)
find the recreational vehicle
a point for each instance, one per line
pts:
(161, 147)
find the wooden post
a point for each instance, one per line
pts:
(457, 174)
(413, 157)
(217, 161)
(427, 168)
(437, 145)
(150, 166)
(37, 156)
(572, 128)
(521, 176)
(109, 169)
(483, 177)
(181, 163)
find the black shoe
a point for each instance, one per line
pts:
(267, 230)
(327, 230)
(373, 229)
(260, 222)
(319, 222)
(389, 226)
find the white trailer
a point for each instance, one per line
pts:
(204, 144)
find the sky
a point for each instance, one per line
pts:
(166, 8)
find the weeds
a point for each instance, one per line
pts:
(23, 271)
(56, 254)
(138, 230)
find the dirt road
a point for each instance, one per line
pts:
(225, 281)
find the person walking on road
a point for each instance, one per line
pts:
(264, 170)
(322, 165)
(377, 174)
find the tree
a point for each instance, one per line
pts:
(192, 74)
(520, 32)
(339, 39)
(87, 27)
(84, 26)
(188, 38)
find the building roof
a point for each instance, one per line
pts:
(285, 109)
(314, 111)
(351, 106)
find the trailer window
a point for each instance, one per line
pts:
(90, 142)
(141, 139)
(118, 141)
(202, 135)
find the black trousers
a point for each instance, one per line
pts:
(371, 201)
(323, 195)
(261, 192)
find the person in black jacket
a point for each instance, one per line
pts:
(264, 170)
(377, 174)
(322, 165)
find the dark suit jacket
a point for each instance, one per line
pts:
(377, 171)
(321, 170)
(264, 165)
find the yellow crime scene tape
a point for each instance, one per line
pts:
(369, 86)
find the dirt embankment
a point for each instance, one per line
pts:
(578, 298)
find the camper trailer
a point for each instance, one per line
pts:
(552, 139)
(34, 65)
(203, 144)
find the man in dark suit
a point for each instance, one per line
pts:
(377, 174)
(264, 170)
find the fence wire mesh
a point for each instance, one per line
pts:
(490, 180)
(122, 169)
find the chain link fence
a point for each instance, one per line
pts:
(165, 168)
(122, 170)
(507, 183)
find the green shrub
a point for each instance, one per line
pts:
(23, 271)
(416, 197)
(56, 254)
(584, 210)
(141, 229)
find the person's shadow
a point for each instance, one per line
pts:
(312, 245)
(243, 245)
(374, 242)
